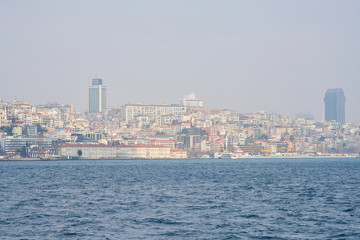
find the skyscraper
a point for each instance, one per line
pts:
(335, 105)
(97, 96)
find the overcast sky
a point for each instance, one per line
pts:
(278, 56)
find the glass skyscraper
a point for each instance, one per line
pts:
(97, 96)
(335, 105)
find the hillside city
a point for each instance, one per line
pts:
(184, 130)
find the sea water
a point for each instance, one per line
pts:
(181, 199)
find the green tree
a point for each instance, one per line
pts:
(40, 130)
(22, 151)
(175, 122)
(7, 129)
(79, 153)
(263, 136)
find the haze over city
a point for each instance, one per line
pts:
(278, 56)
(202, 119)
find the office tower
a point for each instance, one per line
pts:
(335, 105)
(97, 96)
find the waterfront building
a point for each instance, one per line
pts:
(97, 96)
(178, 153)
(41, 153)
(335, 105)
(251, 149)
(190, 141)
(12, 145)
(97, 151)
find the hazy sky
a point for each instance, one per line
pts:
(278, 56)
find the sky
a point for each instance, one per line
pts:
(278, 56)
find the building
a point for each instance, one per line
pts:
(163, 142)
(191, 101)
(41, 153)
(96, 151)
(305, 116)
(335, 105)
(94, 136)
(251, 149)
(3, 117)
(151, 113)
(190, 141)
(178, 153)
(17, 131)
(32, 131)
(97, 96)
(12, 145)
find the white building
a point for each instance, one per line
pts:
(151, 113)
(97, 151)
(191, 101)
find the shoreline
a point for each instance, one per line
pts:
(251, 157)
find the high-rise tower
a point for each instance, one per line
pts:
(97, 96)
(335, 105)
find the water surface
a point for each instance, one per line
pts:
(181, 199)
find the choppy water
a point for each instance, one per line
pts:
(181, 199)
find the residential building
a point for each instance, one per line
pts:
(163, 142)
(32, 131)
(3, 117)
(17, 131)
(132, 112)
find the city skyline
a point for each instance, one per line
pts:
(333, 107)
(185, 119)
(278, 57)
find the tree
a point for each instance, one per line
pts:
(175, 122)
(79, 153)
(263, 136)
(41, 130)
(249, 141)
(7, 129)
(22, 151)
